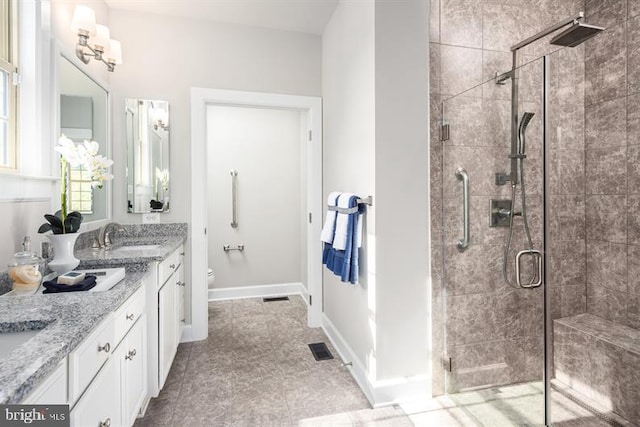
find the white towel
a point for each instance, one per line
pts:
(330, 221)
(342, 221)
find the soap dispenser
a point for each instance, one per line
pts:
(25, 268)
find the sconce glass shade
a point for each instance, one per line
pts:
(84, 19)
(114, 53)
(102, 37)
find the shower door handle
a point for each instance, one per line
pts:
(234, 198)
(462, 175)
(537, 258)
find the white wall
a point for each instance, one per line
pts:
(375, 88)
(402, 194)
(264, 146)
(348, 81)
(165, 56)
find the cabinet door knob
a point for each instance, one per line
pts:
(105, 423)
(181, 253)
(131, 354)
(172, 266)
(179, 283)
(106, 348)
(130, 316)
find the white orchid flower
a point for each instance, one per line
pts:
(163, 177)
(92, 147)
(69, 151)
(86, 156)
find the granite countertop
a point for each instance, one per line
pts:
(66, 319)
(93, 258)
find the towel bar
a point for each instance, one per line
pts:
(366, 201)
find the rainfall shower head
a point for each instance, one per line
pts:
(576, 34)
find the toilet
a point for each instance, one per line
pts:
(210, 278)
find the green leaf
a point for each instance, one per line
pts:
(56, 223)
(44, 228)
(72, 222)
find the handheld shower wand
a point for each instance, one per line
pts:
(520, 155)
(526, 118)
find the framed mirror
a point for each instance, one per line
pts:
(84, 115)
(147, 127)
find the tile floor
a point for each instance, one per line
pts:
(256, 370)
(515, 405)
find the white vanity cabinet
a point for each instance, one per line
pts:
(131, 354)
(115, 395)
(167, 315)
(168, 322)
(170, 316)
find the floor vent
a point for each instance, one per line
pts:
(272, 299)
(320, 351)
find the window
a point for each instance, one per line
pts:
(80, 191)
(8, 90)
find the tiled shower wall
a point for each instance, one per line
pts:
(612, 147)
(493, 332)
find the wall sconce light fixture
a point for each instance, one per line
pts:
(102, 47)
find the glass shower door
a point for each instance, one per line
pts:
(493, 328)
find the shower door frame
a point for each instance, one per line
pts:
(546, 295)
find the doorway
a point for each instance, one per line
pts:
(255, 192)
(310, 111)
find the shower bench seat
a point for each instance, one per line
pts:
(600, 360)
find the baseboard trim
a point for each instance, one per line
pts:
(187, 334)
(379, 393)
(261, 291)
(347, 355)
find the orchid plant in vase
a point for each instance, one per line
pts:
(76, 155)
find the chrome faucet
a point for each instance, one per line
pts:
(104, 240)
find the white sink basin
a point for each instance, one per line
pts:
(135, 248)
(9, 341)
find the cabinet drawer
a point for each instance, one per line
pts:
(168, 266)
(128, 313)
(87, 359)
(100, 405)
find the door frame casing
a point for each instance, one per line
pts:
(312, 107)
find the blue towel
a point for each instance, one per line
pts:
(344, 263)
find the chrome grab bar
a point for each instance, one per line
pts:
(228, 248)
(538, 260)
(234, 198)
(462, 175)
